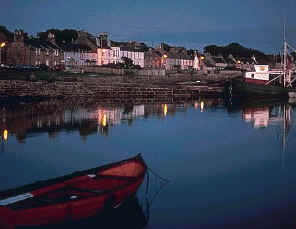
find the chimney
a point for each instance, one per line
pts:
(18, 35)
(51, 38)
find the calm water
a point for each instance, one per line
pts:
(228, 167)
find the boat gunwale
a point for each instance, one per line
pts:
(43, 183)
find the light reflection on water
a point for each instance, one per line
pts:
(228, 165)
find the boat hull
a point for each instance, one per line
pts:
(89, 203)
(239, 88)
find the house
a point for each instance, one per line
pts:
(79, 55)
(152, 59)
(111, 52)
(87, 39)
(32, 51)
(178, 58)
(82, 51)
(216, 62)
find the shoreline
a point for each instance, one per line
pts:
(122, 88)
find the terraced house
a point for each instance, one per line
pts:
(111, 52)
(173, 58)
(33, 51)
(81, 52)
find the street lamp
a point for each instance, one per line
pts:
(164, 59)
(1, 46)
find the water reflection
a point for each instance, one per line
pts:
(276, 114)
(25, 120)
(202, 145)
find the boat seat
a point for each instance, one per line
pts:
(115, 177)
(97, 191)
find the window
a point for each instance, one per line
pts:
(37, 50)
(253, 76)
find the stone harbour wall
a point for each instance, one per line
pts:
(95, 89)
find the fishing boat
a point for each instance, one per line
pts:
(266, 82)
(261, 83)
(72, 197)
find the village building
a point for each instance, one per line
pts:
(82, 52)
(152, 59)
(25, 50)
(79, 55)
(112, 52)
(173, 58)
(215, 62)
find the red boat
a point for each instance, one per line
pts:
(72, 197)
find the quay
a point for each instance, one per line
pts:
(115, 87)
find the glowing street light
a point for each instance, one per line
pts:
(1, 46)
(165, 56)
(5, 135)
(202, 57)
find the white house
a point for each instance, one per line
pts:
(114, 54)
(75, 54)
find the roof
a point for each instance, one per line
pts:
(132, 49)
(219, 60)
(76, 47)
(43, 44)
(132, 46)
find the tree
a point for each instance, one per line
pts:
(61, 36)
(238, 51)
(6, 32)
(128, 63)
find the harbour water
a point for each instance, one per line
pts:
(224, 165)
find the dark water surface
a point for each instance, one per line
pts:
(228, 167)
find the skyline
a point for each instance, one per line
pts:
(192, 24)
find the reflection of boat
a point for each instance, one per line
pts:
(73, 197)
(129, 215)
(279, 114)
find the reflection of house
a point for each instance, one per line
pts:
(32, 51)
(113, 116)
(259, 116)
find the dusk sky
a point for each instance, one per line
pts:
(190, 23)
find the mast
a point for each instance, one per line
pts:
(285, 55)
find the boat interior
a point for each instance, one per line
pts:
(90, 185)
